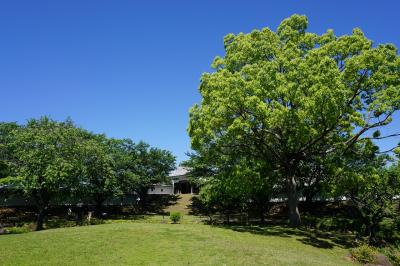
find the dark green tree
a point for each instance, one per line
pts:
(371, 185)
(138, 166)
(6, 153)
(45, 161)
(98, 180)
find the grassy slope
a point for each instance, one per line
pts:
(181, 205)
(138, 243)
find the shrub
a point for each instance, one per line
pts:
(329, 223)
(393, 254)
(18, 230)
(363, 254)
(389, 230)
(175, 217)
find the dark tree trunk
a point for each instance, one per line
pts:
(79, 216)
(372, 239)
(265, 207)
(373, 230)
(308, 201)
(142, 192)
(262, 217)
(42, 201)
(294, 215)
(99, 207)
(40, 218)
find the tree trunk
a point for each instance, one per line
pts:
(40, 218)
(262, 217)
(294, 215)
(373, 230)
(79, 216)
(308, 201)
(42, 202)
(142, 192)
(372, 239)
(99, 207)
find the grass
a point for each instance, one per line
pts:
(181, 205)
(151, 242)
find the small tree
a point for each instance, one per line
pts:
(371, 186)
(232, 184)
(175, 217)
(138, 166)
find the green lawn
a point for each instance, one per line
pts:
(144, 243)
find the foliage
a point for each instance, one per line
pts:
(6, 153)
(285, 96)
(393, 254)
(175, 217)
(314, 176)
(53, 162)
(18, 230)
(200, 207)
(45, 160)
(230, 185)
(372, 187)
(139, 166)
(389, 230)
(341, 224)
(363, 254)
(98, 180)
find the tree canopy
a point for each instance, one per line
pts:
(50, 161)
(283, 97)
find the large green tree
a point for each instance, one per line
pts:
(288, 95)
(45, 161)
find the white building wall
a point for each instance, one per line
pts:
(161, 190)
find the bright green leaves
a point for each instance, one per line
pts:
(300, 87)
(247, 49)
(45, 155)
(291, 98)
(52, 161)
(292, 28)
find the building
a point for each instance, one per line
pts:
(180, 184)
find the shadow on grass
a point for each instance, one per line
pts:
(325, 240)
(158, 203)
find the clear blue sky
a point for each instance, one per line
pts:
(132, 69)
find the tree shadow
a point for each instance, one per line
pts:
(325, 240)
(158, 203)
(154, 204)
(316, 242)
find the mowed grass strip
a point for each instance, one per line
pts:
(161, 244)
